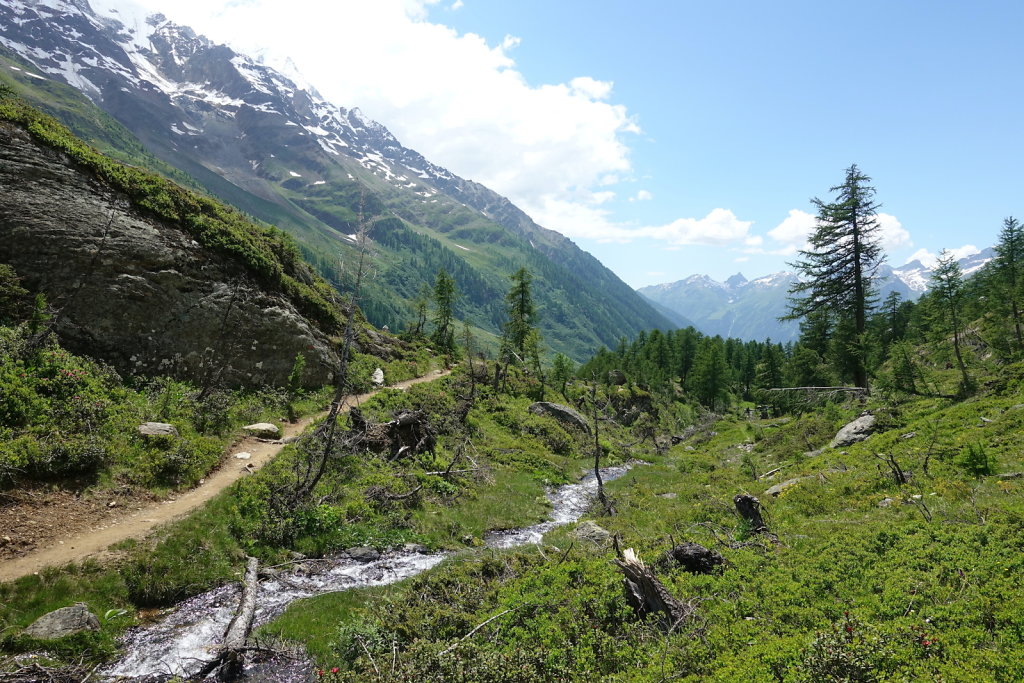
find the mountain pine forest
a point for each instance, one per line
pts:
(276, 407)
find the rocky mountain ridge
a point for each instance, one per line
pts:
(276, 149)
(749, 309)
(138, 292)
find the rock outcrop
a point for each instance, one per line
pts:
(157, 429)
(856, 431)
(139, 293)
(563, 414)
(63, 622)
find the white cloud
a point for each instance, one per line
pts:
(795, 229)
(450, 96)
(929, 259)
(965, 251)
(458, 4)
(892, 233)
(642, 196)
(720, 227)
(793, 232)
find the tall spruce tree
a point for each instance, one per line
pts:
(838, 268)
(521, 312)
(947, 288)
(444, 312)
(1009, 272)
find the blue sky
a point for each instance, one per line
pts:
(672, 138)
(755, 107)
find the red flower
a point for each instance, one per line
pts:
(319, 672)
(334, 670)
(849, 629)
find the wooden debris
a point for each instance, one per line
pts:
(229, 661)
(646, 594)
(409, 433)
(749, 509)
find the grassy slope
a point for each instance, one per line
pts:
(925, 589)
(852, 589)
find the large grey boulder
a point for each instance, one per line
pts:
(363, 554)
(157, 429)
(774, 491)
(563, 414)
(856, 431)
(263, 429)
(63, 622)
(592, 532)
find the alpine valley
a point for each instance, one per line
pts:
(750, 309)
(152, 93)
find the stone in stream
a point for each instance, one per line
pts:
(363, 554)
(63, 622)
(263, 429)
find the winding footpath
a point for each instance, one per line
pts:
(93, 544)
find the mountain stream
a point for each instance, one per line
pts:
(187, 638)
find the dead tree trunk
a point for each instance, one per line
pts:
(749, 509)
(646, 594)
(228, 663)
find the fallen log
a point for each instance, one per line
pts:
(646, 594)
(229, 661)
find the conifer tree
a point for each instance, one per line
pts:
(711, 376)
(521, 312)
(562, 370)
(444, 306)
(1009, 271)
(947, 286)
(838, 268)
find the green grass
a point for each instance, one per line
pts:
(853, 590)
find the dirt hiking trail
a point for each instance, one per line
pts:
(93, 542)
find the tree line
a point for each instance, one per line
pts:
(848, 335)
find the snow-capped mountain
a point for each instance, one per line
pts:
(270, 144)
(749, 309)
(915, 275)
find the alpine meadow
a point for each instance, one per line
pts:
(284, 399)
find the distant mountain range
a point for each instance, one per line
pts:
(269, 144)
(749, 309)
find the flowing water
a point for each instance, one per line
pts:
(182, 642)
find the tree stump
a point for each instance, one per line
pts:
(694, 558)
(749, 509)
(646, 594)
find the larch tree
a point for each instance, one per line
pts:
(521, 312)
(947, 288)
(1009, 272)
(444, 312)
(839, 267)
